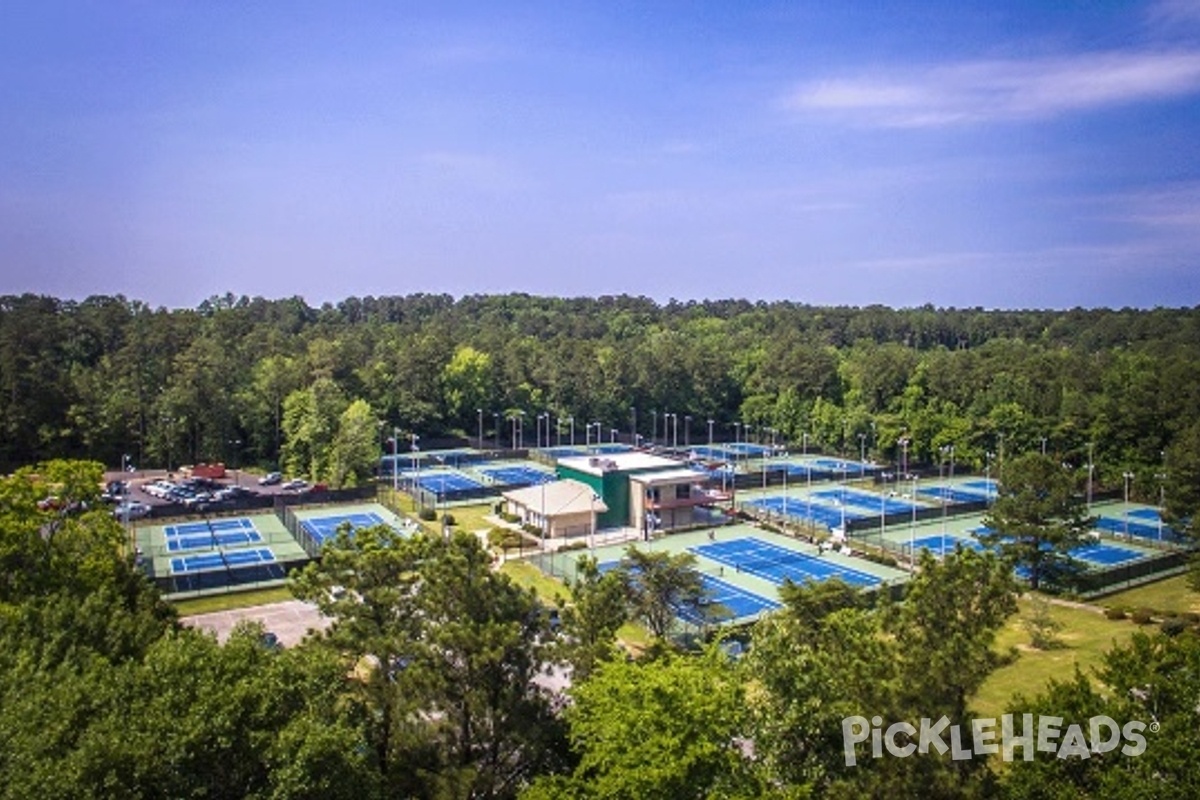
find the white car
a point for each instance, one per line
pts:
(295, 485)
(270, 479)
(131, 509)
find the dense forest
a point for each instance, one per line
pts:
(258, 381)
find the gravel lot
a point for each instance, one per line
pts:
(289, 620)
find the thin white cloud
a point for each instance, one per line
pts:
(1174, 208)
(999, 90)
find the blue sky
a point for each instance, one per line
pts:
(1011, 155)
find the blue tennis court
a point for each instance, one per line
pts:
(1147, 514)
(806, 470)
(226, 524)
(746, 449)
(443, 482)
(841, 465)
(984, 486)
(737, 603)
(950, 494)
(778, 564)
(806, 510)
(941, 546)
(866, 500)
(1141, 530)
(230, 559)
(1105, 554)
(518, 476)
(204, 541)
(715, 453)
(322, 528)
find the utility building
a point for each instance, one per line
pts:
(643, 491)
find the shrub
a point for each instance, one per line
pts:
(1173, 626)
(1116, 612)
(427, 514)
(448, 519)
(504, 538)
(573, 546)
(1143, 616)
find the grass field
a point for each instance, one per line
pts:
(1169, 595)
(1086, 636)
(225, 602)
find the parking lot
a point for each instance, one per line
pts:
(174, 492)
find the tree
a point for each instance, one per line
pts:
(1152, 682)
(1038, 517)
(466, 382)
(354, 452)
(310, 425)
(660, 584)
(447, 651)
(1181, 491)
(947, 625)
(596, 609)
(660, 729)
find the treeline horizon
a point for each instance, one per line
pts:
(252, 381)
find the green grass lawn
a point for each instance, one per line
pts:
(548, 589)
(1170, 595)
(1086, 634)
(471, 518)
(225, 602)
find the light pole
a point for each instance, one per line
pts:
(862, 456)
(903, 442)
(942, 487)
(1043, 445)
(521, 429)
(687, 426)
(804, 445)
(496, 428)
(987, 476)
(675, 431)
(737, 436)
(710, 437)
(587, 436)
(1128, 476)
(912, 530)
(1090, 468)
(237, 446)
(653, 427)
(571, 420)
(633, 424)
(395, 462)
(1161, 477)
(479, 412)
(513, 419)
(612, 435)
(416, 465)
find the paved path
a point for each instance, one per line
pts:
(289, 620)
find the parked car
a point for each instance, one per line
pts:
(294, 485)
(270, 479)
(130, 509)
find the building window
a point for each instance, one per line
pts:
(682, 491)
